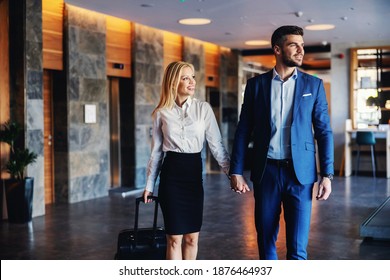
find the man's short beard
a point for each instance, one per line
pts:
(288, 62)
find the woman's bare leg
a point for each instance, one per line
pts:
(190, 246)
(174, 247)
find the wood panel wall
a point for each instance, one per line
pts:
(4, 80)
(47, 136)
(52, 33)
(173, 48)
(118, 46)
(211, 52)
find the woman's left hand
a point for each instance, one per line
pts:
(146, 194)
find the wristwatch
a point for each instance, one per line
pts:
(329, 176)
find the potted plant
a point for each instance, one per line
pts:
(18, 188)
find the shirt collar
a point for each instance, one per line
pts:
(275, 75)
(186, 104)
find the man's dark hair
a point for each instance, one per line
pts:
(279, 35)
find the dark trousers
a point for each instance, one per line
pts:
(280, 188)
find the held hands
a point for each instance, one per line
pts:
(238, 184)
(324, 189)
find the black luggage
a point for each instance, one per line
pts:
(142, 243)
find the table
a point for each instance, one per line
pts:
(385, 133)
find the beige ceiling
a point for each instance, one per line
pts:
(236, 21)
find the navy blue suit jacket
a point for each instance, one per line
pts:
(310, 126)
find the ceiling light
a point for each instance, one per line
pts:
(194, 21)
(257, 43)
(317, 27)
(146, 5)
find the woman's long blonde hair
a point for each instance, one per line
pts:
(170, 83)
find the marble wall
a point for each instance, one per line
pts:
(193, 52)
(87, 143)
(34, 100)
(26, 86)
(230, 75)
(148, 63)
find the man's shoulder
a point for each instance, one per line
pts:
(308, 77)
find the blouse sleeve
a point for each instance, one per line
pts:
(214, 139)
(157, 154)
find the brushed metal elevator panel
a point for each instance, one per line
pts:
(115, 158)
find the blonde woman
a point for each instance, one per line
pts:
(181, 125)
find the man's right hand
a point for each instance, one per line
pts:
(238, 184)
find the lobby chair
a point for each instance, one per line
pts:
(366, 138)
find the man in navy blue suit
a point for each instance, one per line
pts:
(285, 113)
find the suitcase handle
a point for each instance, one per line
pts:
(137, 202)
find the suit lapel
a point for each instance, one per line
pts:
(299, 90)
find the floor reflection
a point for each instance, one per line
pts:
(88, 230)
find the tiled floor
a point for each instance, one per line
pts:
(88, 230)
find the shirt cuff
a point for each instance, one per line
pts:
(149, 186)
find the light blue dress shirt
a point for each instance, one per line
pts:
(282, 98)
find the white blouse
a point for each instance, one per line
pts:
(183, 130)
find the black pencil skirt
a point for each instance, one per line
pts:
(181, 192)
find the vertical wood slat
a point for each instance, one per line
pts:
(48, 136)
(211, 64)
(173, 47)
(52, 34)
(118, 46)
(4, 80)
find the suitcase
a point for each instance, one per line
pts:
(142, 243)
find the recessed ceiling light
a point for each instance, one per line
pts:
(194, 21)
(318, 27)
(257, 43)
(147, 5)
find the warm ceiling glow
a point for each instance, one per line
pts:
(194, 21)
(257, 43)
(317, 27)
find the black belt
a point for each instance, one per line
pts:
(287, 163)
